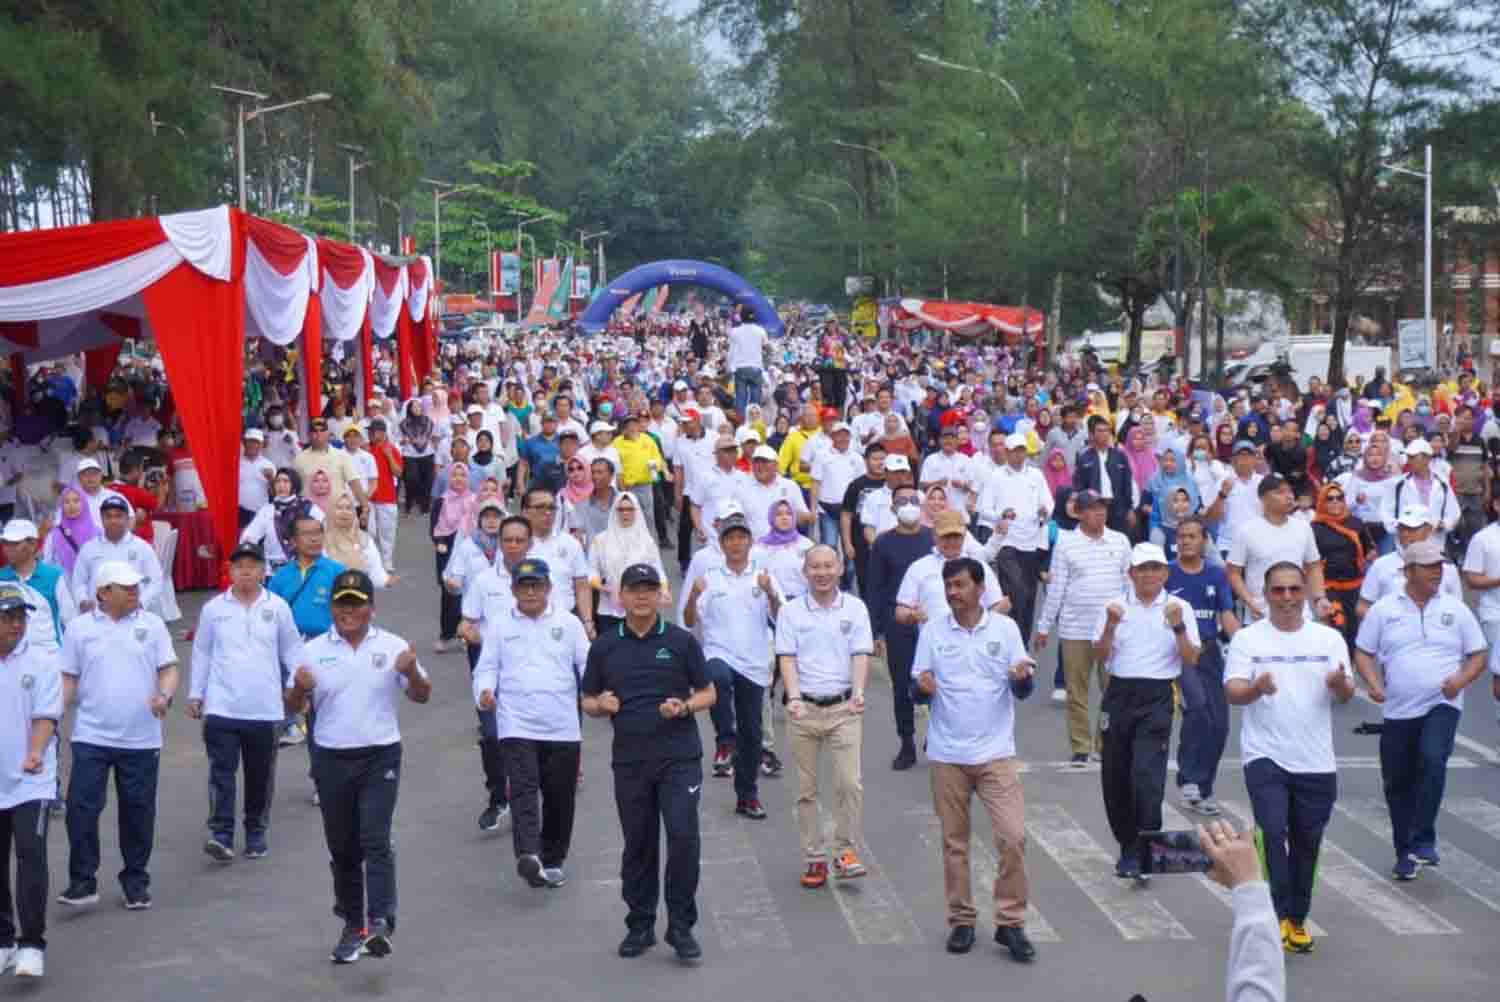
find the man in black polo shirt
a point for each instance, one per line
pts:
(649, 678)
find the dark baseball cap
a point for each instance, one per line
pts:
(733, 523)
(640, 574)
(248, 549)
(531, 569)
(353, 585)
(13, 598)
(114, 503)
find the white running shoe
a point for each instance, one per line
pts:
(30, 962)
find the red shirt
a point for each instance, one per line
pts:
(142, 501)
(387, 464)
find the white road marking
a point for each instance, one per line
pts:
(1374, 894)
(983, 865)
(1132, 910)
(1173, 820)
(1480, 813)
(876, 916)
(1467, 873)
(1344, 762)
(1482, 750)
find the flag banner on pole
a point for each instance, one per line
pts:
(510, 274)
(494, 273)
(647, 298)
(557, 306)
(541, 302)
(582, 281)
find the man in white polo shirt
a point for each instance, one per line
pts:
(823, 644)
(1015, 502)
(1417, 650)
(1387, 575)
(246, 639)
(922, 597)
(766, 487)
(527, 677)
(31, 706)
(256, 474)
(116, 544)
(1145, 637)
(1288, 672)
(120, 669)
(732, 605)
(355, 676)
(974, 666)
(834, 469)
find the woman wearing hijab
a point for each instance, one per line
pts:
(346, 543)
(1055, 471)
(454, 518)
(897, 441)
(1346, 548)
(272, 525)
(417, 445)
(782, 550)
(483, 463)
(75, 526)
(627, 541)
(1171, 475)
(1224, 442)
(1368, 487)
(1141, 455)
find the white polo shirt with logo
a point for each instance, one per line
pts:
(922, 587)
(239, 653)
(734, 621)
(824, 640)
(357, 689)
(30, 690)
(973, 711)
(1417, 648)
(1145, 646)
(116, 663)
(533, 666)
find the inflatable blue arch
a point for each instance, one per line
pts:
(658, 273)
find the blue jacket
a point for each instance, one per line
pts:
(44, 578)
(308, 594)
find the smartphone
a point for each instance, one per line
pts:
(1169, 852)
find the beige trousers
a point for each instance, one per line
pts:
(837, 728)
(998, 785)
(1078, 664)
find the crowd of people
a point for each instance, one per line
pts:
(831, 505)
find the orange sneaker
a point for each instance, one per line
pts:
(848, 866)
(816, 875)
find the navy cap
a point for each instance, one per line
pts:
(114, 503)
(1087, 499)
(353, 585)
(531, 569)
(12, 598)
(640, 574)
(248, 549)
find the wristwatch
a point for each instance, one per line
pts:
(1180, 628)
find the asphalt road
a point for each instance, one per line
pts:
(469, 927)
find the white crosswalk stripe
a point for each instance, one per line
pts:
(876, 915)
(1132, 911)
(983, 866)
(1374, 894)
(1467, 873)
(1480, 813)
(1173, 820)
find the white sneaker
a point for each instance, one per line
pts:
(30, 962)
(440, 646)
(7, 958)
(1190, 794)
(1059, 695)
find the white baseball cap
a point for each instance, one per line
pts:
(839, 426)
(1419, 447)
(764, 452)
(1147, 553)
(255, 435)
(1015, 440)
(116, 572)
(599, 426)
(89, 464)
(680, 385)
(746, 434)
(1414, 516)
(18, 530)
(897, 463)
(475, 409)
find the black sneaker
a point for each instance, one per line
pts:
(378, 943)
(1079, 761)
(686, 945)
(906, 757)
(960, 939)
(137, 901)
(637, 942)
(529, 867)
(79, 895)
(255, 846)
(1014, 939)
(219, 850)
(490, 818)
(349, 946)
(750, 809)
(1129, 865)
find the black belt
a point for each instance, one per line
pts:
(828, 700)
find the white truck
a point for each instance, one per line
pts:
(1308, 357)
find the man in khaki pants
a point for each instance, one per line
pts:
(1088, 572)
(823, 642)
(972, 663)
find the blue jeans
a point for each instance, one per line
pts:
(136, 772)
(748, 383)
(1291, 810)
(1205, 724)
(1414, 768)
(737, 720)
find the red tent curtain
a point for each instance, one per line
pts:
(312, 355)
(366, 360)
(405, 351)
(200, 332)
(99, 364)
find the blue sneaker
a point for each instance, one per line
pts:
(1427, 855)
(1129, 866)
(255, 845)
(1405, 868)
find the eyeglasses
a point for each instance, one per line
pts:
(1334, 497)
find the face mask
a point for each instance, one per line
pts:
(274, 420)
(1424, 410)
(1201, 455)
(908, 514)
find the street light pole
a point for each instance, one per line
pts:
(440, 191)
(520, 283)
(353, 152)
(1426, 175)
(489, 251)
(243, 115)
(583, 238)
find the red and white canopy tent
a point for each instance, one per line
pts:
(198, 283)
(967, 319)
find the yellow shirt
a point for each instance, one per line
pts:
(789, 460)
(635, 460)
